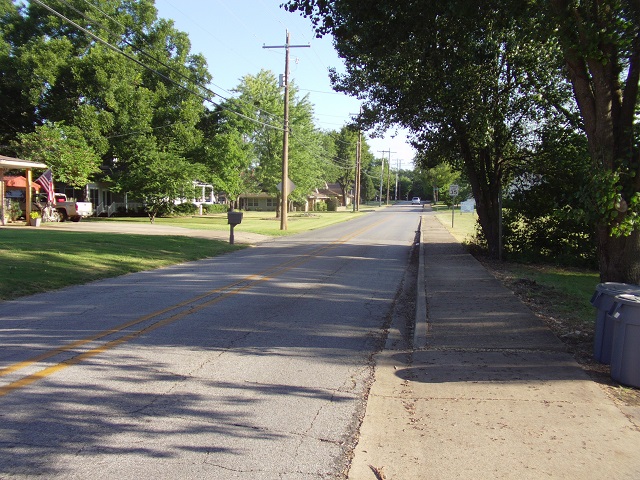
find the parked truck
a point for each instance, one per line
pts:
(65, 209)
(70, 210)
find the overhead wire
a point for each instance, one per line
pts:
(160, 74)
(154, 58)
(269, 114)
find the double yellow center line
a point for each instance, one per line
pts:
(147, 324)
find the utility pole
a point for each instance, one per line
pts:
(381, 174)
(284, 193)
(358, 167)
(356, 199)
(397, 173)
(388, 175)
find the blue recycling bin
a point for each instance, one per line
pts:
(604, 299)
(625, 350)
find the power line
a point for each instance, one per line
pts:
(138, 62)
(152, 57)
(156, 72)
(237, 99)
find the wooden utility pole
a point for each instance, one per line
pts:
(358, 167)
(284, 193)
(356, 198)
(381, 175)
(388, 179)
(397, 173)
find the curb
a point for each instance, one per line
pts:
(421, 321)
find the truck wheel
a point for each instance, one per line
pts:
(63, 215)
(76, 219)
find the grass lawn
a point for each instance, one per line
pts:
(264, 223)
(464, 224)
(34, 260)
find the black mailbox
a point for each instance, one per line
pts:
(234, 218)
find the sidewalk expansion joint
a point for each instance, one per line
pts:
(550, 349)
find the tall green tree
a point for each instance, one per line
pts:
(456, 74)
(125, 78)
(598, 43)
(601, 50)
(438, 179)
(261, 103)
(344, 158)
(225, 151)
(159, 180)
(64, 149)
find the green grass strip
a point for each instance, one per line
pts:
(34, 260)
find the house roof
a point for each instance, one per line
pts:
(11, 163)
(257, 195)
(18, 182)
(329, 193)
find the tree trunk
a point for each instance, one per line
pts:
(484, 177)
(606, 105)
(488, 209)
(343, 188)
(618, 257)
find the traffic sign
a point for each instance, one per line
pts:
(290, 186)
(453, 190)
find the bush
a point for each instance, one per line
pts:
(215, 208)
(185, 209)
(14, 212)
(332, 205)
(320, 207)
(558, 237)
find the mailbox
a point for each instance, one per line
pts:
(234, 218)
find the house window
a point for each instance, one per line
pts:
(271, 202)
(252, 202)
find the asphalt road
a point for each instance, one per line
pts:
(253, 365)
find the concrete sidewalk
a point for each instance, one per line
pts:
(488, 392)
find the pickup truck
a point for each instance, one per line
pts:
(70, 210)
(66, 210)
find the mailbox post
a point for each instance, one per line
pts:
(233, 219)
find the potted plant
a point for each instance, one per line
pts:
(35, 219)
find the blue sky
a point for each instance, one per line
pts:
(231, 35)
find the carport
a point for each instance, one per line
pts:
(9, 163)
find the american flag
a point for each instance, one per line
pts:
(46, 180)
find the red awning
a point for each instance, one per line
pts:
(19, 182)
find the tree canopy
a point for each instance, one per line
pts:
(481, 80)
(106, 91)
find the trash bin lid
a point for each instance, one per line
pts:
(617, 288)
(628, 299)
(605, 293)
